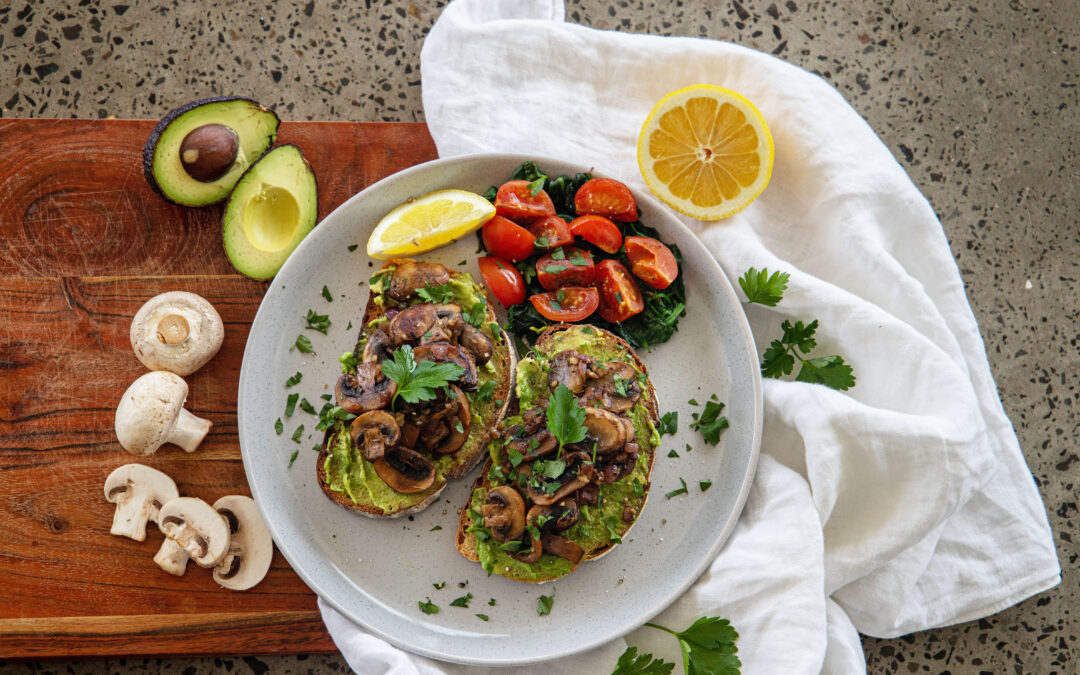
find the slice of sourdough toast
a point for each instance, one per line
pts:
(612, 484)
(383, 456)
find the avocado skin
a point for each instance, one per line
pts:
(159, 128)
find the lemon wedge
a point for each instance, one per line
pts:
(705, 151)
(428, 222)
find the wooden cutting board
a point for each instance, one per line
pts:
(84, 242)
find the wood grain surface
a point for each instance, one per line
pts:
(85, 243)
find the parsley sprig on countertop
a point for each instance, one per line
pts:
(418, 381)
(708, 648)
(798, 338)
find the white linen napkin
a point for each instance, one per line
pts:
(899, 505)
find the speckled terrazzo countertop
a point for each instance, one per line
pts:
(978, 101)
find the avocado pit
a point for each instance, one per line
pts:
(208, 152)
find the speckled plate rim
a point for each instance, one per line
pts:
(632, 619)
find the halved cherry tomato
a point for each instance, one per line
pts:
(503, 279)
(620, 297)
(574, 267)
(606, 197)
(551, 232)
(505, 239)
(598, 231)
(515, 200)
(572, 303)
(651, 261)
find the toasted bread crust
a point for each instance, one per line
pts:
(466, 541)
(372, 311)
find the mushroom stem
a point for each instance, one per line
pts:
(188, 431)
(172, 557)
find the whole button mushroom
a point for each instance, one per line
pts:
(138, 492)
(250, 545)
(176, 331)
(151, 413)
(194, 527)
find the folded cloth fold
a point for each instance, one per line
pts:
(899, 505)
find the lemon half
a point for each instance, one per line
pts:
(428, 222)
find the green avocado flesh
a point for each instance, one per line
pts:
(272, 208)
(255, 126)
(600, 525)
(346, 469)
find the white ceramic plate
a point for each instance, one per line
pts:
(377, 571)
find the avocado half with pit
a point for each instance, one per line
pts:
(272, 208)
(197, 153)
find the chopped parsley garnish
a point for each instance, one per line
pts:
(295, 379)
(296, 434)
(440, 294)
(565, 417)
(428, 607)
(693, 401)
(705, 484)
(303, 343)
(418, 381)
(352, 247)
(319, 322)
(537, 185)
(293, 457)
(482, 617)
(763, 289)
(672, 453)
(278, 426)
(463, 601)
(307, 407)
(477, 314)
(708, 646)
(620, 386)
(553, 269)
(326, 294)
(290, 404)
(439, 586)
(326, 397)
(579, 260)
(491, 602)
(458, 428)
(436, 528)
(542, 242)
(710, 423)
(486, 391)
(544, 603)
(558, 254)
(669, 423)
(677, 492)
(331, 413)
(639, 489)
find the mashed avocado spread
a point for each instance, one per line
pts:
(601, 525)
(346, 469)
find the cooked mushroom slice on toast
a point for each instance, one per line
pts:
(412, 275)
(366, 389)
(570, 368)
(616, 389)
(445, 352)
(577, 474)
(151, 413)
(138, 492)
(504, 513)
(176, 331)
(378, 347)
(405, 471)
(477, 343)
(195, 527)
(608, 431)
(374, 432)
(250, 546)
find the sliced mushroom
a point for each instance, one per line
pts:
(172, 557)
(616, 468)
(410, 325)
(197, 528)
(444, 352)
(537, 444)
(409, 276)
(378, 347)
(561, 546)
(250, 545)
(176, 331)
(474, 339)
(579, 473)
(405, 471)
(151, 413)
(504, 513)
(605, 429)
(458, 423)
(374, 432)
(138, 492)
(367, 389)
(556, 517)
(531, 554)
(607, 391)
(569, 368)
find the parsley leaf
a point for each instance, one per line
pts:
(436, 528)
(632, 664)
(537, 185)
(441, 294)
(331, 413)
(439, 586)
(565, 417)
(830, 371)
(762, 288)
(677, 491)
(705, 484)
(672, 453)
(326, 294)
(352, 247)
(295, 379)
(544, 604)
(296, 434)
(319, 322)
(542, 242)
(486, 391)
(708, 646)
(428, 607)
(307, 407)
(290, 404)
(477, 314)
(463, 601)
(417, 381)
(710, 424)
(491, 602)
(482, 617)
(295, 454)
(553, 269)
(278, 426)
(780, 356)
(620, 387)
(669, 423)
(303, 343)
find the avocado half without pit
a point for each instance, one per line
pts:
(272, 208)
(197, 153)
